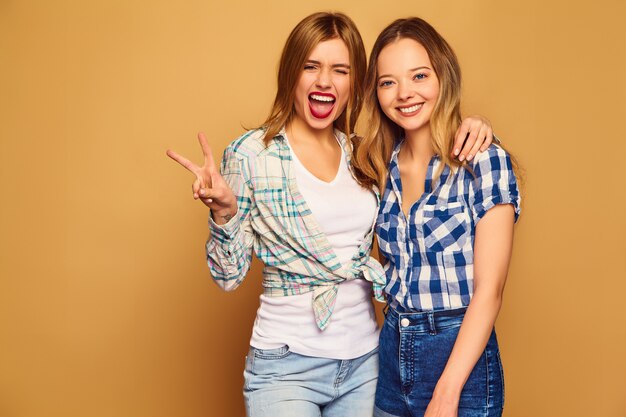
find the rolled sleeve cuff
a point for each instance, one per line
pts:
(224, 232)
(506, 198)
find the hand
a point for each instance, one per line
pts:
(442, 407)
(473, 135)
(209, 185)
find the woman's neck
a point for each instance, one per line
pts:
(299, 131)
(418, 145)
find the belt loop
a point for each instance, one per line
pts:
(432, 330)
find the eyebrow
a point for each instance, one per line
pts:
(312, 61)
(411, 70)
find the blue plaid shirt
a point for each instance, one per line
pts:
(274, 219)
(430, 255)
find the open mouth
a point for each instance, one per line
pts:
(410, 110)
(321, 104)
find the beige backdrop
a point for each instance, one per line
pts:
(106, 306)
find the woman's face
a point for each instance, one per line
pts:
(324, 86)
(407, 85)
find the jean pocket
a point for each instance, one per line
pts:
(445, 226)
(271, 354)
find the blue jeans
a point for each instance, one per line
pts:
(280, 383)
(414, 349)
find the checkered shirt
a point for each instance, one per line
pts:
(430, 255)
(274, 219)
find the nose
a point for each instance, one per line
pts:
(405, 91)
(323, 78)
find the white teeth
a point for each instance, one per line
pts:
(322, 98)
(410, 109)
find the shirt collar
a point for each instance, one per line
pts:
(394, 170)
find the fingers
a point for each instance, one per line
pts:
(469, 142)
(217, 191)
(206, 150)
(206, 195)
(209, 192)
(488, 139)
(461, 135)
(480, 141)
(196, 187)
(182, 160)
(200, 191)
(477, 134)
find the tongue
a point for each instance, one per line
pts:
(321, 109)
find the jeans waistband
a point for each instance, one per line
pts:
(426, 321)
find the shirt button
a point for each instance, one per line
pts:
(404, 322)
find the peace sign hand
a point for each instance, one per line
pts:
(209, 185)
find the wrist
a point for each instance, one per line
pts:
(448, 389)
(223, 216)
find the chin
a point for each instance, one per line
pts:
(320, 124)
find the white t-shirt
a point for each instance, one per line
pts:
(345, 212)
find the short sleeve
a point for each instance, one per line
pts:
(494, 182)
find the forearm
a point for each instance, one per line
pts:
(229, 251)
(229, 247)
(473, 336)
(492, 253)
(223, 216)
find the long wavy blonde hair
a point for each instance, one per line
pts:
(373, 151)
(313, 29)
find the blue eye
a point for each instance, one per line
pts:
(420, 76)
(385, 83)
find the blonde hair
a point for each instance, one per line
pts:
(312, 30)
(373, 153)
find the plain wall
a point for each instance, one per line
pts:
(107, 307)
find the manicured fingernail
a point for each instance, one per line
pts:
(201, 192)
(461, 158)
(209, 200)
(469, 157)
(456, 151)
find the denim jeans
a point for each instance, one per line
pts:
(414, 349)
(281, 383)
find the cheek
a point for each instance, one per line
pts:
(434, 92)
(381, 98)
(384, 99)
(301, 98)
(343, 90)
(343, 86)
(302, 87)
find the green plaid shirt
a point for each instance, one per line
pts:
(274, 218)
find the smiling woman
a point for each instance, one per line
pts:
(445, 229)
(407, 85)
(288, 190)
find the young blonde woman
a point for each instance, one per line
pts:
(445, 228)
(287, 190)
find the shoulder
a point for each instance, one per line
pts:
(493, 159)
(247, 146)
(347, 143)
(249, 155)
